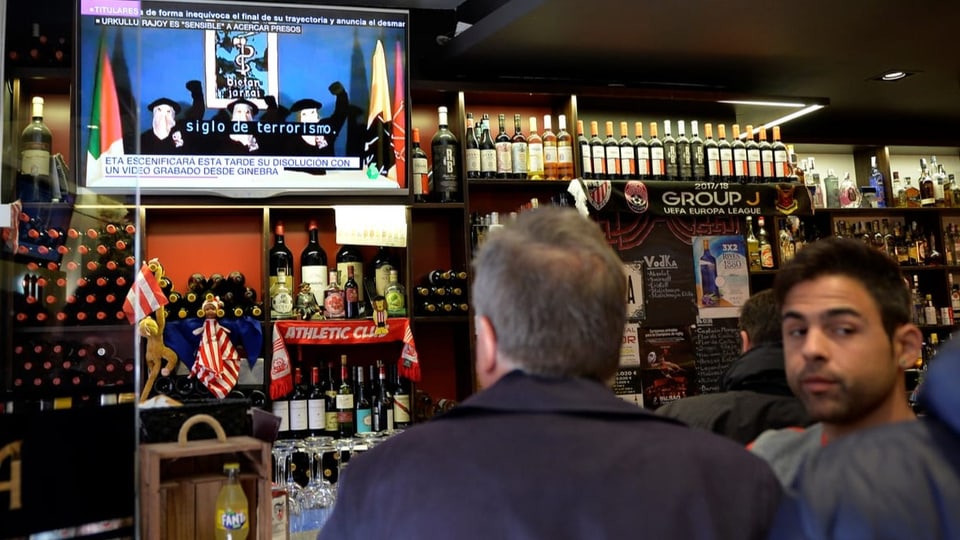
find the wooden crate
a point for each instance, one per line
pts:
(179, 483)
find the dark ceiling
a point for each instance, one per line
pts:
(817, 48)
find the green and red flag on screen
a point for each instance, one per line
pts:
(106, 132)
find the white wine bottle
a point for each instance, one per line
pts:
(36, 141)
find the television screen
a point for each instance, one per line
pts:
(240, 99)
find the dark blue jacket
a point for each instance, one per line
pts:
(537, 458)
(754, 397)
(892, 482)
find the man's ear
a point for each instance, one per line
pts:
(485, 357)
(744, 342)
(908, 345)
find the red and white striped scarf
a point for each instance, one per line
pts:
(218, 364)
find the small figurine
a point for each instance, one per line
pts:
(307, 307)
(157, 350)
(380, 315)
(217, 364)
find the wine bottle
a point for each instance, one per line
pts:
(350, 256)
(363, 409)
(670, 157)
(504, 154)
(471, 150)
(488, 150)
(279, 258)
(351, 296)
(401, 402)
(684, 159)
(782, 168)
(446, 161)
(383, 264)
(658, 161)
(565, 168)
(711, 151)
(766, 157)
(422, 181)
(628, 154)
(697, 159)
(741, 164)
(611, 150)
(518, 150)
(754, 160)
(346, 425)
(299, 419)
(583, 143)
(642, 151)
(280, 408)
(597, 152)
(333, 300)
(281, 298)
(551, 165)
(709, 292)
(534, 152)
(331, 426)
(36, 141)
(313, 261)
(382, 406)
(726, 154)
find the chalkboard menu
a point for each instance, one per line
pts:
(716, 345)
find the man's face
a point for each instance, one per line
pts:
(309, 116)
(839, 360)
(163, 111)
(242, 112)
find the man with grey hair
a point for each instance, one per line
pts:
(545, 449)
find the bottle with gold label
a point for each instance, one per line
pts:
(766, 249)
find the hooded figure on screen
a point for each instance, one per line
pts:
(322, 132)
(242, 110)
(166, 135)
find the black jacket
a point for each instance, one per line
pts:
(754, 397)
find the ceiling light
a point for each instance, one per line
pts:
(763, 103)
(893, 75)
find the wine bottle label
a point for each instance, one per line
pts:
(382, 278)
(519, 150)
(401, 408)
(344, 402)
(488, 160)
(613, 160)
(740, 161)
(565, 154)
(726, 162)
(364, 421)
(298, 415)
(473, 160)
(316, 276)
(535, 157)
(550, 153)
(281, 409)
(330, 421)
(782, 166)
(421, 178)
(587, 160)
(504, 158)
(35, 159)
(713, 161)
(657, 164)
(316, 414)
(282, 304)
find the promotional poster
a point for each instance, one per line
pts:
(241, 99)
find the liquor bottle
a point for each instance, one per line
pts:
(684, 159)
(929, 311)
(350, 256)
(697, 160)
(396, 297)
(232, 513)
(597, 152)
(382, 264)
(313, 261)
(331, 425)
(351, 296)
(628, 155)
(334, 303)
(280, 258)
(534, 152)
(401, 401)
(754, 160)
(670, 156)
(939, 182)
(551, 162)
(316, 404)
(472, 150)
(611, 149)
(831, 189)
(299, 421)
(709, 292)
(766, 250)
(346, 419)
(741, 165)
(362, 407)
(766, 157)
(518, 149)
(488, 150)
(281, 298)
(642, 150)
(382, 406)
(422, 181)
(446, 161)
(782, 167)
(565, 170)
(927, 190)
(711, 152)
(658, 162)
(36, 141)
(586, 162)
(504, 155)
(753, 247)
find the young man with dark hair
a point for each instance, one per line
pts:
(848, 339)
(754, 395)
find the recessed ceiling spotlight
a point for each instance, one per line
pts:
(893, 75)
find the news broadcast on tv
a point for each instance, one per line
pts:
(241, 99)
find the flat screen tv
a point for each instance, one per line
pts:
(241, 99)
